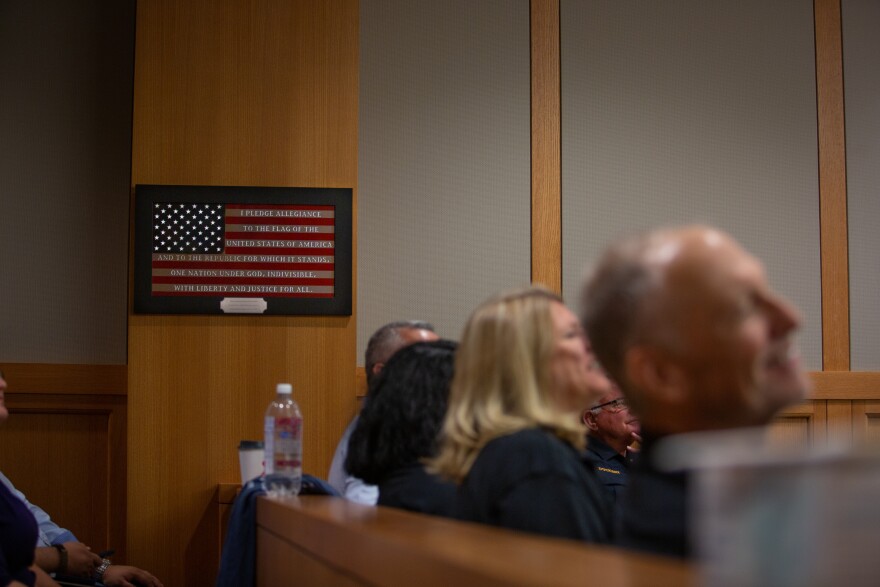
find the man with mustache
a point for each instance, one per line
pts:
(686, 324)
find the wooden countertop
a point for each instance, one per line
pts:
(384, 546)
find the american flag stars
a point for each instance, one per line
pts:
(190, 228)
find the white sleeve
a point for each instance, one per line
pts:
(349, 487)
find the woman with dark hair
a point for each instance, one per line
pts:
(398, 429)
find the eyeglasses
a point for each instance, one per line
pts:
(614, 406)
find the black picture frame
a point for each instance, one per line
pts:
(147, 196)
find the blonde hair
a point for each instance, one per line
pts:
(502, 380)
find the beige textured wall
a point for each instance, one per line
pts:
(693, 111)
(443, 159)
(65, 144)
(861, 46)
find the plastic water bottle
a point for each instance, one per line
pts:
(283, 444)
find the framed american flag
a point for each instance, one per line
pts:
(242, 250)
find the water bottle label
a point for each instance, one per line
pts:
(287, 452)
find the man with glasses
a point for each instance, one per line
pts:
(612, 429)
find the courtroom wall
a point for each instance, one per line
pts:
(693, 111)
(65, 145)
(231, 93)
(65, 111)
(861, 45)
(443, 159)
(226, 93)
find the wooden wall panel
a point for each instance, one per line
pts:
(832, 186)
(66, 378)
(277, 561)
(546, 145)
(839, 427)
(233, 92)
(801, 425)
(866, 423)
(845, 385)
(360, 376)
(66, 453)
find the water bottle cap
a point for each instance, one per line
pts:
(284, 388)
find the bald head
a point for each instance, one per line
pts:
(389, 339)
(686, 323)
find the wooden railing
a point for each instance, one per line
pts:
(324, 541)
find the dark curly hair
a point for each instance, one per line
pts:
(400, 422)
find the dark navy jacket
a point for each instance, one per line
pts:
(612, 468)
(654, 509)
(414, 489)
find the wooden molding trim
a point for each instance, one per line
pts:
(360, 382)
(66, 379)
(832, 186)
(807, 409)
(845, 385)
(227, 492)
(546, 145)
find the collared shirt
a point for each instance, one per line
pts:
(49, 532)
(351, 488)
(611, 467)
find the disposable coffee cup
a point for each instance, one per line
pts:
(250, 457)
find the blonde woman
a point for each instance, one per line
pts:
(512, 437)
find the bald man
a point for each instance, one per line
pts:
(386, 341)
(685, 322)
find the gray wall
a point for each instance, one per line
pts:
(672, 112)
(693, 111)
(443, 160)
(65, 115)
(861, 70)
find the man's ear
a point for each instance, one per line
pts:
(377, 368)
(652, 371)
(590, 420)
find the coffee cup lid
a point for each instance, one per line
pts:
(250, 444)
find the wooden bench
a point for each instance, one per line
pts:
(323, 541)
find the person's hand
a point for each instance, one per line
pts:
(81, 561)
(635, 444)
(43, 579)
(125, 576)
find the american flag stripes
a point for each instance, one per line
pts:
(243, 250)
